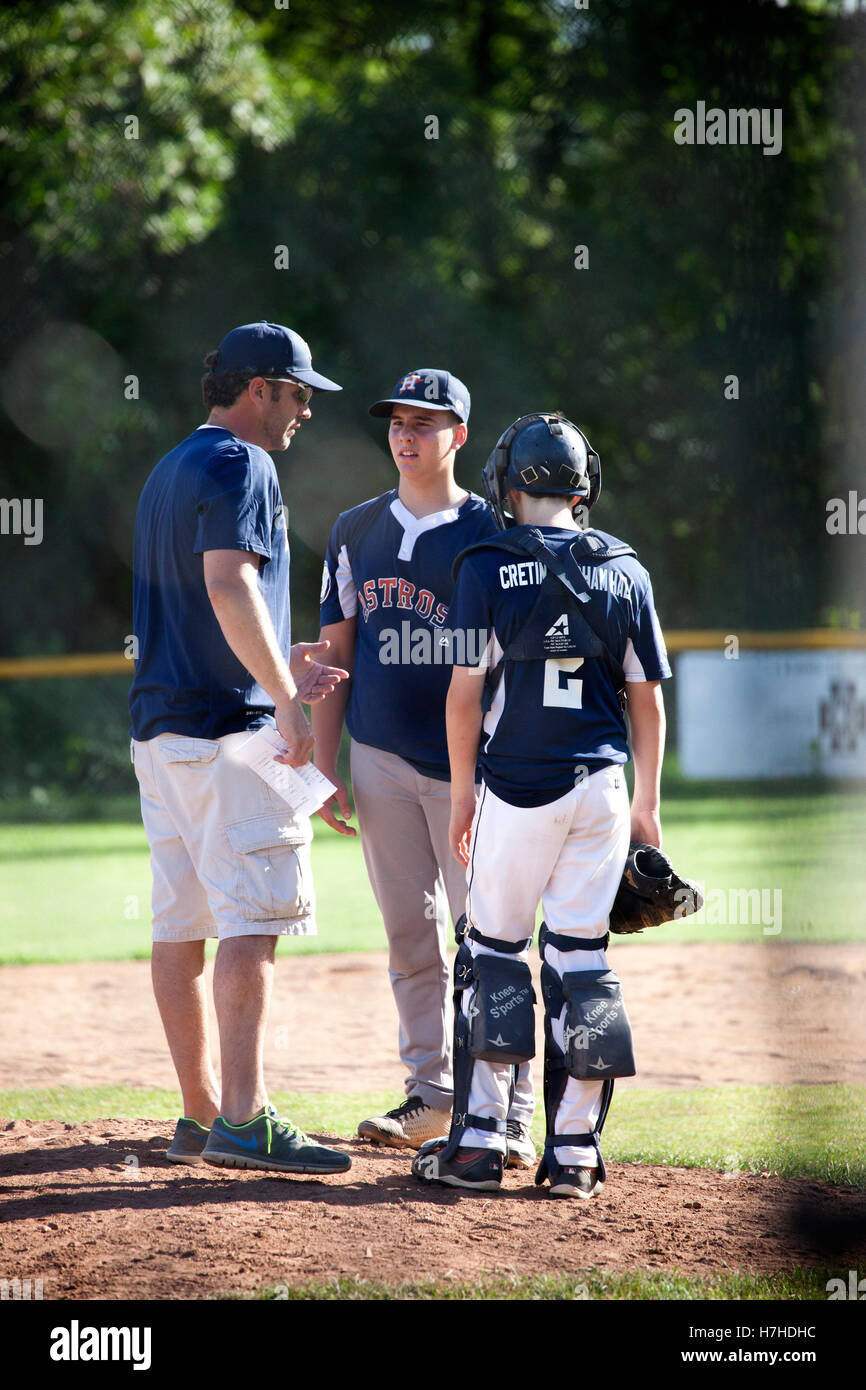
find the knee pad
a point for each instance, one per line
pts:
(597, 1034)
(502, 1015)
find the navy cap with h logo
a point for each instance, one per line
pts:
(430, 387)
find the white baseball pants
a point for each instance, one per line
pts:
(569, 855)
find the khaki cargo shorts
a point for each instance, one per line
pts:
(229, 856)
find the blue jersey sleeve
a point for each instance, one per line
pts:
(338, 599)
(470, 617)
(236, 502)
(646, 657)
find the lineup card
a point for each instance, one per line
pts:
(304, 788)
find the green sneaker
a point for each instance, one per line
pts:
(189, 1140)
(268, 1142)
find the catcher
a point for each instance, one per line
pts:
(572, 625)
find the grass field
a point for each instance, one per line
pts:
(81, 890)
(642, 1285)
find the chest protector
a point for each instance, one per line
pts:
(556, 627)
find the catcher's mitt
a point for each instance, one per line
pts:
(650, 892)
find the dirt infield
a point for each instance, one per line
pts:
(96, 1211)
(702, 1015)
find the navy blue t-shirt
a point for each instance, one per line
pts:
(549, 718)
(393, 571)
(213, 492)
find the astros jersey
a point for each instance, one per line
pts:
(550, 718)
(393, 571)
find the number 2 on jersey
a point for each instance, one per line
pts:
(561, 686)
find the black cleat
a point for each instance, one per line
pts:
(477, 1169)
(575, 1182)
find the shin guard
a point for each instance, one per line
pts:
(597, 1041)
(498, 1026)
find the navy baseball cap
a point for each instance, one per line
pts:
(269, 349)
(431, 387)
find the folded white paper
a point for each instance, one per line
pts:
(304, 788)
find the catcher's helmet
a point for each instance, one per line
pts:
(544, 454)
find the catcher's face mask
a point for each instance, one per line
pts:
(542, 454)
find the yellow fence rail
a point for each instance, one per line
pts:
(678, 640)
(19, 668)
(806, 639)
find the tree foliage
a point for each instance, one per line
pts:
(310, 128)
(121, 123)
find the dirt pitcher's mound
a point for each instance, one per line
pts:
(702, 1015)
(96, 1212)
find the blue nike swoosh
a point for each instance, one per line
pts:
(244, 1143)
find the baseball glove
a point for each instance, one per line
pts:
(650, 892)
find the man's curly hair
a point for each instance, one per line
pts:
(224, 390)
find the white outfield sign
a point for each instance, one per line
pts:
(772, 714)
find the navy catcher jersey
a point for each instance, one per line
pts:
(393, 571)
(213, 492)
(553, 721)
